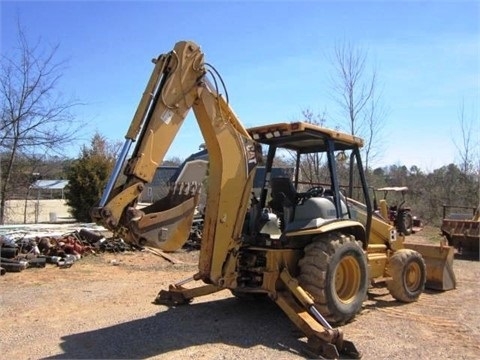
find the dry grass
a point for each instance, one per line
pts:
(33, 211)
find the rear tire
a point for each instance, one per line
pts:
(408, 272)
(334, 272)
(405, 223)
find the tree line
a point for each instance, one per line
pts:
(87, 176)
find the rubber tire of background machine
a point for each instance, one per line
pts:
(405, 223)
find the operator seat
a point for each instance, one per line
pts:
(284, 198)
(384, 209)
(282, 191)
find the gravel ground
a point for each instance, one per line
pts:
(101, 308)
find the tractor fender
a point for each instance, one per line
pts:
(344, 226)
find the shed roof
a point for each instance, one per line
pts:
(50, 184)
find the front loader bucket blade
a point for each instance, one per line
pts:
(439, 263)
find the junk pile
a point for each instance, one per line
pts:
(26, 248)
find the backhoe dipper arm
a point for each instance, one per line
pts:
(178, 83)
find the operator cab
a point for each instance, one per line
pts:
(313, 195)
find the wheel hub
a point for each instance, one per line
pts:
(412, 276)
(347, 279)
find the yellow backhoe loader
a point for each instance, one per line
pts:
(313, 251)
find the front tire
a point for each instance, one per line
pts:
(408, 271)
(334, 271)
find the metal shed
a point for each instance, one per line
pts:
(52, 186)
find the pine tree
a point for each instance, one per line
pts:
(88, 176)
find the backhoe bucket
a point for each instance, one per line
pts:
(166, 224)
(439, 262)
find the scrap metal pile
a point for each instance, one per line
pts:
(21, 249)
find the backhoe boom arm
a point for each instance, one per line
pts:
(178, 83)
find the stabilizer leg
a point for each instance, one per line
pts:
(323, 340)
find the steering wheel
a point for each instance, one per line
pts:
(315, 191)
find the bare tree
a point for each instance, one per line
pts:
(467, 149)
(35, 119)
(355, 91)
(469, 152)
(311, 164)
(374, 116)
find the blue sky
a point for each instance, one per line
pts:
(272, 56)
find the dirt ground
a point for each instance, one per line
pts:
(101, 308)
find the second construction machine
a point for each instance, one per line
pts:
(313, 251)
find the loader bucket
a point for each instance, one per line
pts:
(439, 263)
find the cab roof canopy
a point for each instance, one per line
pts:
(303, 137)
